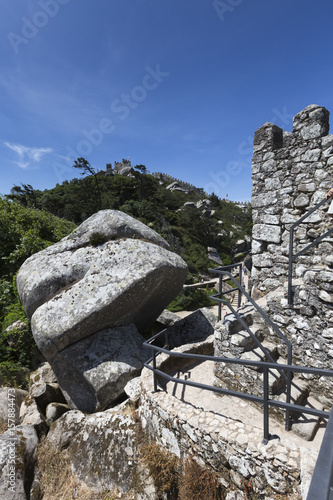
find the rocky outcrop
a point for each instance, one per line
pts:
(44, 274)
(38, 407)
(195, 327)
(103, 449)
(176, 187)
(204, 205)
(214, 255)
(94, 372)
(73, 290)
(167, 318)
(90, 294)
(123, 282)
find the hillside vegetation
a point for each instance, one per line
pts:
(31, 220)
(23, 231)
(144, 197)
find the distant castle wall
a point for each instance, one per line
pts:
(119, 165)
(169, 178)
(123, 168)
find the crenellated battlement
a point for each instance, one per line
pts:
(309, 124)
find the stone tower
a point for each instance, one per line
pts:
(292, 172)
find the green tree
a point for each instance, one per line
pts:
(83, 164)
(24, 195)
(141, 170)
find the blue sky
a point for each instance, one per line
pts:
(177, 85)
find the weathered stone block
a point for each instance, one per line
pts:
(262, 260)
(311, 155)
(54, 411)
(94, 372)
(44, 394)
(20, 445)
(31, 415)
(311, 122)
(302, 200)
(195, 327)
(102, 448)
(267, 232)
(268, 137)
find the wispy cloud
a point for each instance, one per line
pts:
(28, 155)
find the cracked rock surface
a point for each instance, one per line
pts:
(88, 302)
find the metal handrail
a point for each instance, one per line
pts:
(321, 487)
(293, 257)
(221, 271)
(243, 395)
(225, 268)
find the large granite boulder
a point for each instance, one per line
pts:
(195, 327)
(94, 372)
(39, 278)
(83, 285)
(103, 450)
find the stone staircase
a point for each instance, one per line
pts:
(232, 340)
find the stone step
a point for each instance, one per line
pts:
(258, 355)
(306, 425)
(276, 381)
(234, 300)
(243, 339)
(298, 394)
(302, 424)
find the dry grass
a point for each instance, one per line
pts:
(163, 468)
(197, 483)
(3, 425)
(57, 480)
(187, 481)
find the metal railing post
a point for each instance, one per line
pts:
(240, 283)
(288, 389)
(266, 407)
(220, 293)
(154, 370)
(290, 270)
(167, 343)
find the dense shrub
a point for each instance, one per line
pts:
(23, 231)
(191, 299)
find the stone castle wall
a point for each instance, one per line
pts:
(170, 178)
(292, 172)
